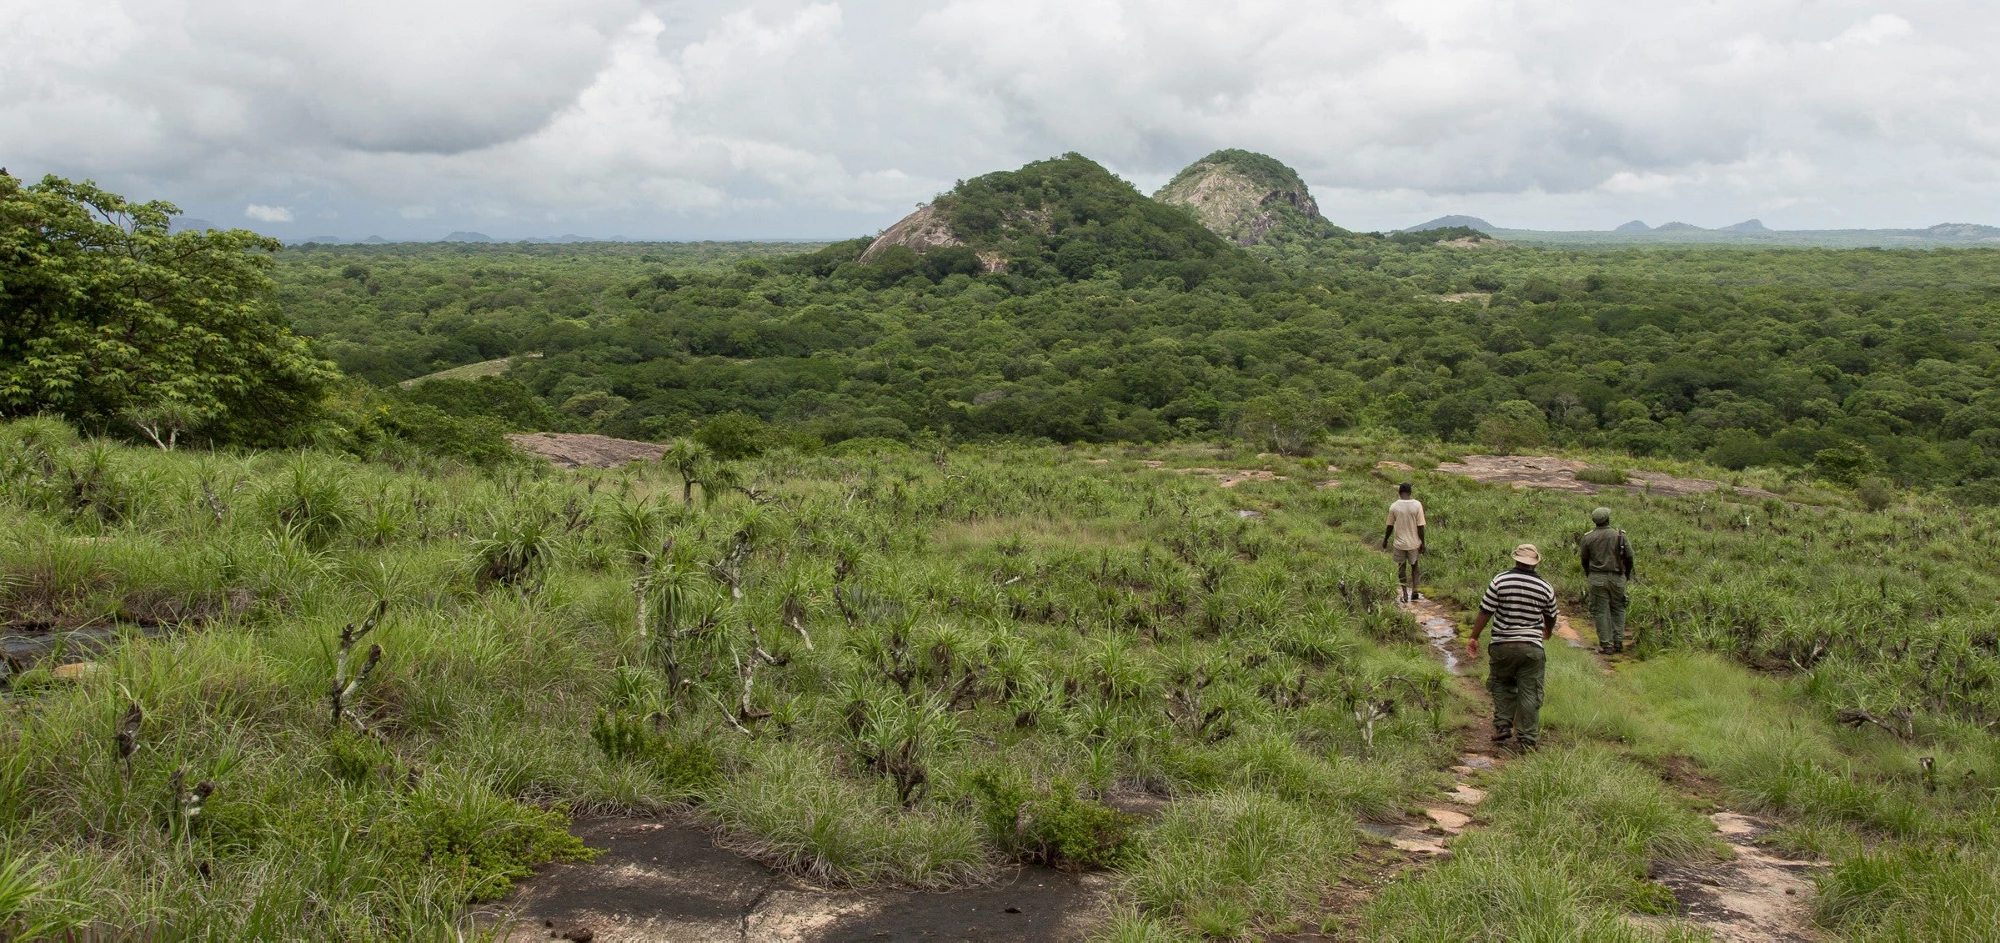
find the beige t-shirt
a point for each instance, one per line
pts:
(1406, 516)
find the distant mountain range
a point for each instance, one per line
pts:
(455, 236)
(1749, 232)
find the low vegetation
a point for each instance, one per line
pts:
(347, 700)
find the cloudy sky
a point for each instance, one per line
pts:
(412, 118)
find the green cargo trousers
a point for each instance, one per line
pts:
(1607, 607)
(1514, 679)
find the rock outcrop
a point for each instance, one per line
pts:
(1245, 197)
(921, 231)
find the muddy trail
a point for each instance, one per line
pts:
(1756, 895)
(666, 880)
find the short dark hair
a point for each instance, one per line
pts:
(1404, 488)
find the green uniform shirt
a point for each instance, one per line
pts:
(1605, 550)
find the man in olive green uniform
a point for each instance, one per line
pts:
(1607, 564)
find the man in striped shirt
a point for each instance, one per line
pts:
(1522, 609)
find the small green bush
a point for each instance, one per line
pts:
(1602, 476)
(684, 766)
(1875, 494)
(1052, 826)
(475, 837)
(353, 758)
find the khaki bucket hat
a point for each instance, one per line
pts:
(1527, 554)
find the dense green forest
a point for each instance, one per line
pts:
(1116, 319)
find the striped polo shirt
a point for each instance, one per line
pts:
(1518, 601)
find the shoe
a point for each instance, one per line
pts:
(1416, 596)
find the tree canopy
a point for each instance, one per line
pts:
(109, 318)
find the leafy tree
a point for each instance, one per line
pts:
(106, 317)
(1513, 425)
(734, 435)
(1286, 421)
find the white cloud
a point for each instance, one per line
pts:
(268, 214)
(807, 114)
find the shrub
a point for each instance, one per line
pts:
(734, 435)
(1602, 476)
(475, 837)
(1875, 494)
(308, 500)
(1052, 826)
(685, 766)
(1515, 424)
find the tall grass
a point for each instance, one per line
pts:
(1573, 832)
(815, 676)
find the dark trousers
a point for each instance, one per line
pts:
(1514, 679)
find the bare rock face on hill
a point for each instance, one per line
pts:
(926, 229)
(1245, 197)
(921, 231)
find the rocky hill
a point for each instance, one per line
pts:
(1454, 222)
(1246, 198)
(1066, 217)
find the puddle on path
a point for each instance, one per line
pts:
(1439, 627)
(661, 880)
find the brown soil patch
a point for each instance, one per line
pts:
(1528, 471)
(665, 880)
(576, 450)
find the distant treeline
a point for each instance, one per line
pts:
(1846, 363)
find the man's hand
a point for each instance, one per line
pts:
(1472, 647)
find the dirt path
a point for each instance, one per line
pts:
(1754, 896)
(1417, 841)
(665, 880)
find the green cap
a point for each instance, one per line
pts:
(1601, 516)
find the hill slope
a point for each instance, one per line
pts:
(1454, 222)
(1065, 217)
(1246, 198)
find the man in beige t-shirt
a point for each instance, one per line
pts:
(1406, 528)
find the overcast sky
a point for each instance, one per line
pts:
(412, 118)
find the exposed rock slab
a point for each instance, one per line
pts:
(578, 450)
(921, 231)
(1559, 474)
(665, 880)
(1754, 897)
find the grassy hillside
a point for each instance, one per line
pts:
(870, 670)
